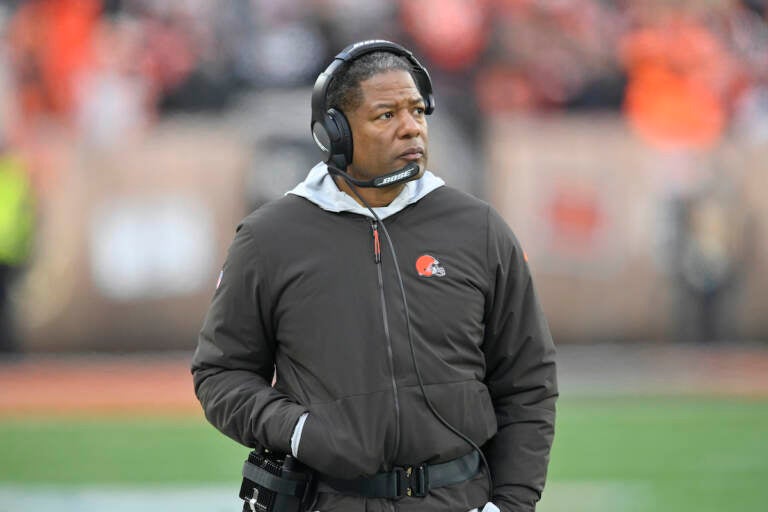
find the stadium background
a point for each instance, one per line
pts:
(624, 141)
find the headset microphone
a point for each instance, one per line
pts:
(401, 175)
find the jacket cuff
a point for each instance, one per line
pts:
(283, 417)
(523, 500)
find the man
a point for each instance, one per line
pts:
(383, 366)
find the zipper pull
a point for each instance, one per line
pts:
(376, 243)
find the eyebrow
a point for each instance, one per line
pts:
(391, 104)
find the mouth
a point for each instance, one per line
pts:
(412, 154)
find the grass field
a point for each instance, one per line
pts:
(620, 454)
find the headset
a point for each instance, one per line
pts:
(330, 127)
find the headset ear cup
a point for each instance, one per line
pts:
(341, 138)
(424, 83)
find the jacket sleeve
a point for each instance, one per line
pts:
(233, 365)
(520, 375)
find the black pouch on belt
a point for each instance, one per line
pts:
(278, 483)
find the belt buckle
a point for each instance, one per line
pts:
(412, 481)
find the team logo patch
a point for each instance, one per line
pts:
(429, 266)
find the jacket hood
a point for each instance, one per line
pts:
(320, 188)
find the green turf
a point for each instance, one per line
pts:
(676, 454)
(103, 451)
(688, 454)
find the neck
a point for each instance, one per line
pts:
(375, 197)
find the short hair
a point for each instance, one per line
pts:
(345, 93)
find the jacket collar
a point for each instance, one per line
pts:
(320, 188)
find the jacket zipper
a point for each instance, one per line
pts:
(377, 261)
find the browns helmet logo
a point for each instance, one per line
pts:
(428, 266)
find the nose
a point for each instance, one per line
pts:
(410, 126)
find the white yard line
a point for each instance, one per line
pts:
(597, 496)
(119, 499)
(582, 496)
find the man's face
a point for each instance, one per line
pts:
(389, 128)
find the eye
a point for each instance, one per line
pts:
(387, 115)
(419, 111)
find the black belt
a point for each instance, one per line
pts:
(406, 480)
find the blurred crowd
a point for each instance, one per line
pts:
(685, 73)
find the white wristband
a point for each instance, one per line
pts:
(489, 507)
(296, 437)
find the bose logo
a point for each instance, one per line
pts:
(367, 43)
(396, 177)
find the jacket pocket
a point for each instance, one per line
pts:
(465, 405)
(349, 437)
